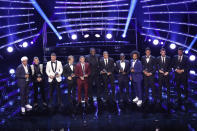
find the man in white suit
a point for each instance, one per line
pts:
(54, 71)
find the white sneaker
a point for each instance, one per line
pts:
(139, 103)
(23, 110)
(135, 100)
(28, 106)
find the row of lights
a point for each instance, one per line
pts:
(172, 46)
(25, 44)
(108, 36)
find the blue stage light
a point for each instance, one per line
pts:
(155, 42)
(10, 49)
(192, 72)
(192, 43)
(11, 71)
(109, 36)
(74, 36)
(41, 12)
(192, 57)
(86, 35)
(172, 46)
(149, 40)
(97, 35)
(25, 45)
(131, 11)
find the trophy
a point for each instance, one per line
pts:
(146, 69)
(27, 79)
(56, 73)
(121, 70)
(38, 75)
(104, 70)
(178, 67)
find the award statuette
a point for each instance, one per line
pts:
(121, 70)
(104, 70)
(27, 79)
(56, 73)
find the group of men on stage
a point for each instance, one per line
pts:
(95, 71)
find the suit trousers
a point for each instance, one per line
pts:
(108, 80)
(36, 85)
(181, 79)
(52, 85)
(24, 92)
(164, 81)
(81, 84)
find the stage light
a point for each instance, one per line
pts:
(131, 11)
(123, 36)
(97, 35)
(74, 36)
(149, 40)
(11, 71)
(10, 49)
(192, 72)
(162, 43)
(41, 12)
(192, 58)
(32, 42)
(60, 37)
(155, 42)
(86, 35)
(172, 46)
(186, 52)
(25, 44)
(109, 36)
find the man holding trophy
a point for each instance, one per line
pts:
(54, 71)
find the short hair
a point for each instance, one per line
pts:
(70, 57)
(81, 57)
(180, 48)
(24, 58)
(36, 58)
(162, 49)
(122, 54)
(147, 48)
(53, 54)
(135, 52)
(105, 52)
(92, 49)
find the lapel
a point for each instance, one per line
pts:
(54, 70)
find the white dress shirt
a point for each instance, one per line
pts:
(147, 59)
(122, 65)
(180, 58)
(106, 61)
(163, 59)
(71, 66)
(26, 69)
(133, 63)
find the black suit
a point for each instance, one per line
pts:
(71, 83)
(109, 67)
(164, 80)
(94, 76)
(23, 84)
(123, 78)
(181, 64)
(149, 67)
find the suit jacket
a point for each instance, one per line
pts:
(51, 72)
(68, 71)
(20, 75)
(126, 69)
(184, 64)
(167, 66)
(110, 66)
(150, 66)
(94, 64)
(32, 67)
(79, 71)
(137, 75)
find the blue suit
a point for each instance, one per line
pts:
(137, 78)
(22, 84)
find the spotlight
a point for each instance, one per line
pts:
(10, 49)
(86, 35)
(172, 46)
(109, 36)
(149, 40)
(74, 36)
(186, 52)
(192, 58)
(11, 71)
(97, 35)
(123, 35)
(192, 72)
(25, 44)
(60, 37)
(162, 43)
(32, 42)
(155, 42)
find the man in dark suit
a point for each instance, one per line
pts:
(123, 69)
(69, 74)
(93, 60)
(181, 67)
(82, 72)
(149, 69)
(107, 73)
(164, 69)
(23, 77)
(136, 77)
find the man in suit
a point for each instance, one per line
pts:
(82, 72)
(181, 67)
(107, 69)
(149, 69)
(93, 60)
(23, 77)
(164, 69)
(69, 74)
(136, 77)
(54, 71)
(123, 69)
(38, 81)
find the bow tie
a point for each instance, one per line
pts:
(53, 62)
(148, 57)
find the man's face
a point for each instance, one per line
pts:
(82, 59)
(163, 53)
(148, 52)
(53, 58)
(122, 57)
(93, 52)
(134, 56)
(24, 62)
(71, 61)
(36, 61)
(105, 55)
(180, 52)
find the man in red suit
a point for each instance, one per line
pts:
(82, 71)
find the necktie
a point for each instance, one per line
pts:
(179, 59)
(106, 63)
(163, 60)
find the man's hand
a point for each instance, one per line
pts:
(160, 71)
(102, 72)
(132, 70)
(86, 75)
(51, 77)
(109, 73)
(124, 73)
(73, 75)
(130, 78)
(178, 71)
(82, 78)
(39, 79)
(166, 73)
(149, 74)
(26, 76)
(69, 78)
